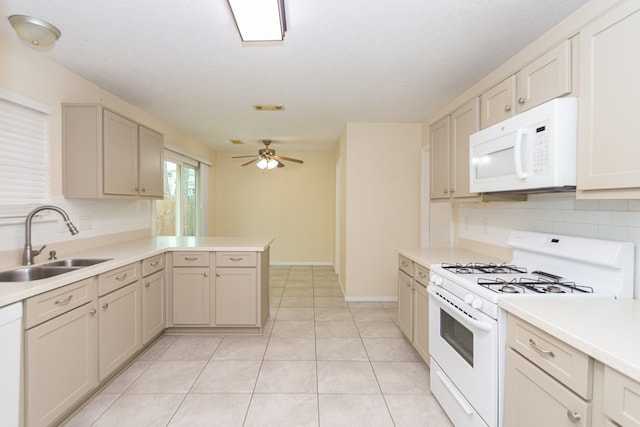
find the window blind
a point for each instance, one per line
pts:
(23, 158)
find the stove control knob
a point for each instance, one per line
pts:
(468, 299)
(477, 304)
(436, 280)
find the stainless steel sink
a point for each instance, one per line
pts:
(37, 272)
(77, 262)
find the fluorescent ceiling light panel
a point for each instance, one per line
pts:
(259, 20)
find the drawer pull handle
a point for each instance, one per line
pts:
(154, 263)
(121, 277)
(63, 301)
(573, 416)
(92, 311)
(190, 258)
(236, 259)
(105, 305)
(533, 344)
(146, 285)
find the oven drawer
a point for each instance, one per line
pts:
(568, 365)
(621, 398)
(405, 264)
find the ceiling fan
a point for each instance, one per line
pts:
(267, 158)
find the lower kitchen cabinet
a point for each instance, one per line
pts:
(119, 328)
(413, 305)
(60, 364)
(236, 296)
(421, 325)
(191, 296)
(153, 306)
(405, 304)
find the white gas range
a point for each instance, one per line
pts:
(467, 328)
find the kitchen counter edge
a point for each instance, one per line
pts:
(124, 253)
(603, 328)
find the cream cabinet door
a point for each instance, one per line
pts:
(464, 121)
(534, 399)
(119, 328)
(421, 322)
(151, 168)
(120, 155)
(236, 297)
(405, 304)
(153, 319)
(440, 166)
(191, 291)
(608, 147)
(60, 364)
(498, 103)
(545, 78)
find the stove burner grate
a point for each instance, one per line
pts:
(484, 268)
(542, 286)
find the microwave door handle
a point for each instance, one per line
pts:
(517, 153)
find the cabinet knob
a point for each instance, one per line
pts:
(217, 274)
(507, 108)
(522, 100)
(154, 263)
(92, 311)
(573, 416)
(206, 274)
(143, 189)
(146, 285)
(446, 191)
(105, 305)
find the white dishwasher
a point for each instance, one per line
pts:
(10, 343)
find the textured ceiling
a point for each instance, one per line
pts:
(341, 61)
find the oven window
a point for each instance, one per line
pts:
(457, 336)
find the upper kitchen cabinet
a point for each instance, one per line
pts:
(449, 139)
(107, 155)
(545, 78)
(608, 147)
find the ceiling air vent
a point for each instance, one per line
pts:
(268, 107)
(236, 141)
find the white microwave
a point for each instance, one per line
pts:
(532, 151)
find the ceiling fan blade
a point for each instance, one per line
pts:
(288, 159)
(280, 164)
(250, 161)
(243, 157)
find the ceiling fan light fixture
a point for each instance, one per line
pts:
(259, 20)
(35, 31)
(267, 163)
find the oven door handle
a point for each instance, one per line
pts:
(437, 299)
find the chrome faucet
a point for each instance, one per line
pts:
(29, 253)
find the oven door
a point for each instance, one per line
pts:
(464, 345)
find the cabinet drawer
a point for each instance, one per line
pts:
(53, 303)
(191, 259)
(621, 398)
(235, 259)
(405, 264)
(152, 264)
(566, 364)
(421, 274)
(115, 279)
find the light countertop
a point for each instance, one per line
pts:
(124, 253)
(428, 256)
(606, 329)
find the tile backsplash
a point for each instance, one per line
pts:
(491, 222)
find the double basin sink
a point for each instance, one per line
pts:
(44, 271)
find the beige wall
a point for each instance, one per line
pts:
(382, 198)
(294, 204)
(29, 73)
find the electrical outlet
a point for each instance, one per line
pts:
(85, 222)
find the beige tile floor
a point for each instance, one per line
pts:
(321, 362)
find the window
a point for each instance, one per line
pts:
(23, 144)
(179, 213)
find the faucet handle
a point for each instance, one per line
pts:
(37, 252)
